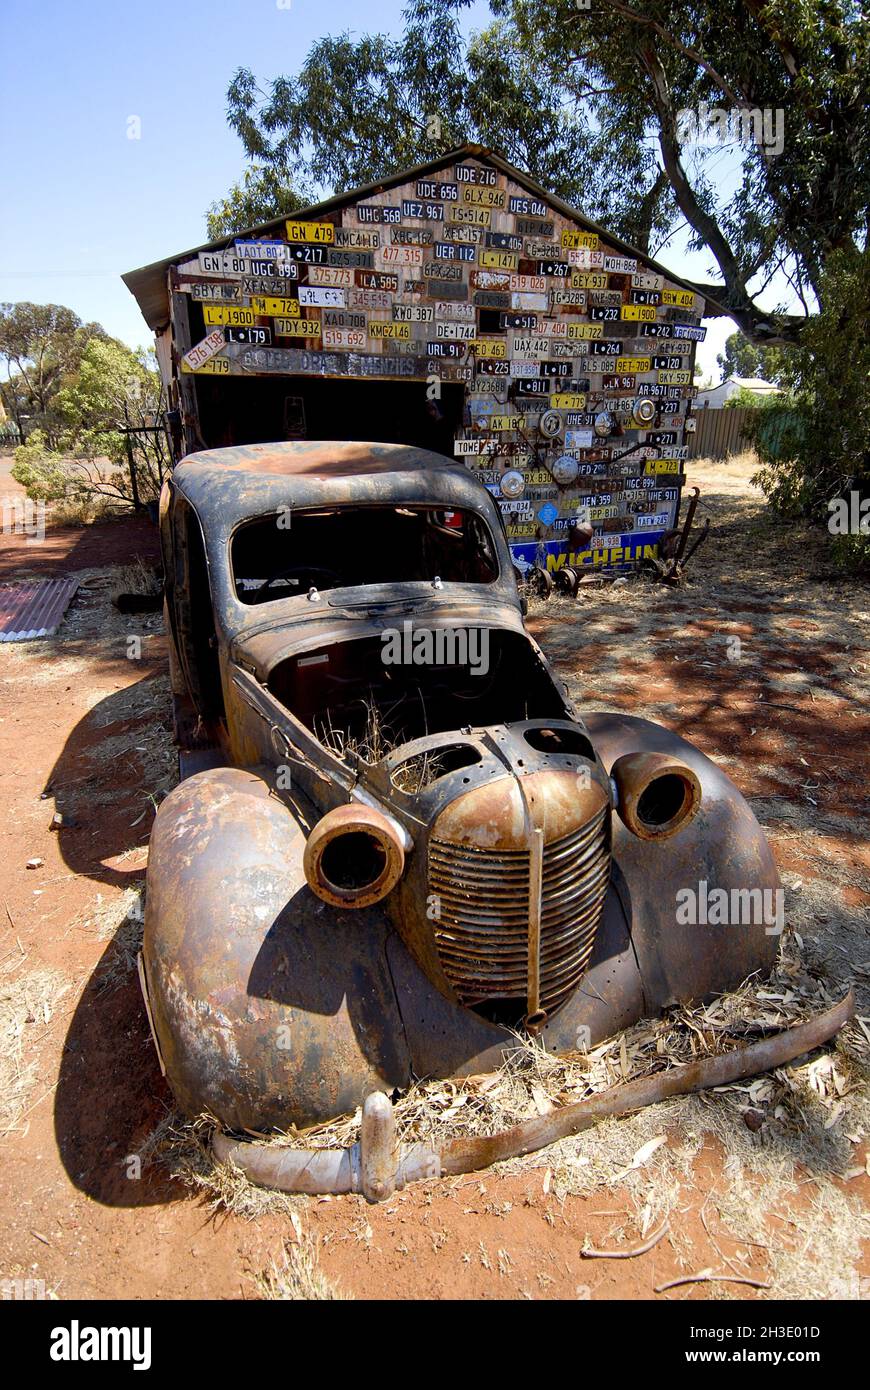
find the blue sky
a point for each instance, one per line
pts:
(82, 202)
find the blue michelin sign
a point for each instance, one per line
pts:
(608, 553)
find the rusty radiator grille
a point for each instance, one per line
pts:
(482, 934)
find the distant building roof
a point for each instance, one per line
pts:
(718, 395)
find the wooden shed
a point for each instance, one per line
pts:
(458, 307)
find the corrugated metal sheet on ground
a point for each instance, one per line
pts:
(34, 610)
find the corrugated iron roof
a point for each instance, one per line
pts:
(148, 283)
(34, 610)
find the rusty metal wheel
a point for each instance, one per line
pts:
(541, 582)
(567, 581)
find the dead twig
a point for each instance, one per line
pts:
(705, 1276)
(592, 1254)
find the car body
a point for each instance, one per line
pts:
(396, 843)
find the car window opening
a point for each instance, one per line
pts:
(289, 553)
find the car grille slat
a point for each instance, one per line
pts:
(482, 933)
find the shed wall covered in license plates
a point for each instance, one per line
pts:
(456, 307)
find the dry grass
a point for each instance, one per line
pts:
(120, 921)
(297, 1276)
(26, 1008)
(136, 578)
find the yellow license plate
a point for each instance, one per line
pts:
(498, 260)
(469, 216)
(684, 299)
(483, 197)
(585, 330)
(390, 330)
(574, 240)
(215, 366)
(505, 422)
(322, 232)
(274, 306)
(627, 366)
(588, 280)
(572, 400)
(229, 313)
(485, 347)
(672, 378)
(642, 312)
(297, 328)
(666, 465)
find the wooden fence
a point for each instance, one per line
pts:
(719, 433)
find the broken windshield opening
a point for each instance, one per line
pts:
(291, 552)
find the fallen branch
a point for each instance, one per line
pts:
(592, 1254)
(704, 1277)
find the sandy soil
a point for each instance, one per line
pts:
(84, 732)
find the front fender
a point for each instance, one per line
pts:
(268, 1006)
(723, 847)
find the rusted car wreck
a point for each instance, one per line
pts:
(403, 842)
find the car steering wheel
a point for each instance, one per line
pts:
(299, 569)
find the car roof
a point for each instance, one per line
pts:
(319, 458)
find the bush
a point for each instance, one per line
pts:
(44, 475)
(818, 448)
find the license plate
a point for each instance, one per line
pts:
(444, 192)
(671, 378)
(376, 280)
(271, 305)
(640, 313)
(390, 330)
(684, 299)
(322, 232)
(313, 295)
(502, 423)
(460, 331)
(483, 197)
(688, 330)
(202, 352)
(254, 337)
(488, 347)
(498, 260)
(228, 313)
(378, 212)
(631, 365)
(215, 366)
(585, 330)
(351, 338)
(297, 328)
(646, 280)
(330, 275)
(573, 240)
(568, 400)
(413, 313)
(216, 292)
(469, 216)
(532, 284)
(504, 241)
(354, 238)
(535, 349)
(588, 280)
